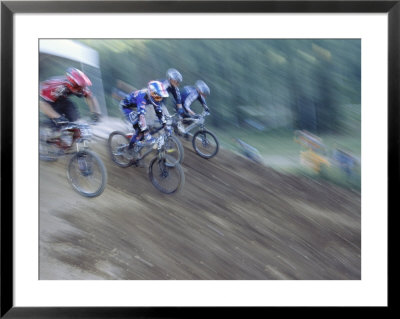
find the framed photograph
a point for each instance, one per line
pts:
(171, 158)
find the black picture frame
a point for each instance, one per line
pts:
(9, 8)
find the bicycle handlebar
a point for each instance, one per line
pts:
(157, 129)
(174, 116)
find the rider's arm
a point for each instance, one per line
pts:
(203, 103)
(177, 96)
(93, 104)
(188, 102)
(160, 114)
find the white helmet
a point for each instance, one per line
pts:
(156, 92)
(173, 74)
(202, 87)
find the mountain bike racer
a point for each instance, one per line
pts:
(134, 106)
(189, 95)
(171, 84)
(55, 96)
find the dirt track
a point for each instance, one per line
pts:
(234, 219)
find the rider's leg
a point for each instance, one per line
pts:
(136, 137)
(132, 118)
(182, 116)
(47, 109)
(50, 129)
(143, 128)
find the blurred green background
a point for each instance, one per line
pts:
(262, 91)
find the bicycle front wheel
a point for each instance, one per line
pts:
(87, 174)
(205, 144)
(166, 178)
(174, 150)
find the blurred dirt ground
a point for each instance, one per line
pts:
(234, 219)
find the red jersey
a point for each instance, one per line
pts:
(53, 89)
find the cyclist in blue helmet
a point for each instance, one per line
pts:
(189, 95)
(134, 105)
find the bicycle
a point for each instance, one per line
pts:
(164, 169)
(204, 142)
(85, 170)
(174, 147)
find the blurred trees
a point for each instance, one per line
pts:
(296, 84)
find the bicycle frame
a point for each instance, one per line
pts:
(196, 123)
(152, 147)
(81, 135)
(159, 145)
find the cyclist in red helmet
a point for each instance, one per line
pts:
(55, 93)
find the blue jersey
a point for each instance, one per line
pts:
(173, 90)
(135, 104)
(139, 100)
(189, 95)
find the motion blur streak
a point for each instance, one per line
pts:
(234, 220)
(280, 200)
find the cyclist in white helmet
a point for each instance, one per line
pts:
(171, 84)
(134, 108)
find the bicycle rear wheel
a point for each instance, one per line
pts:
(166, 178)
(87, 174)
(118, 148)
(205, 144)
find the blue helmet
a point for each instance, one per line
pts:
(173, 74)
(156, 92)
(202, 87)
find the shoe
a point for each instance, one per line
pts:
(149, 140)
(140, 144)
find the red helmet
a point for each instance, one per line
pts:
(77, 79)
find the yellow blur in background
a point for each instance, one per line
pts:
(314, 154)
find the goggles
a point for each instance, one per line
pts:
(156, 97)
